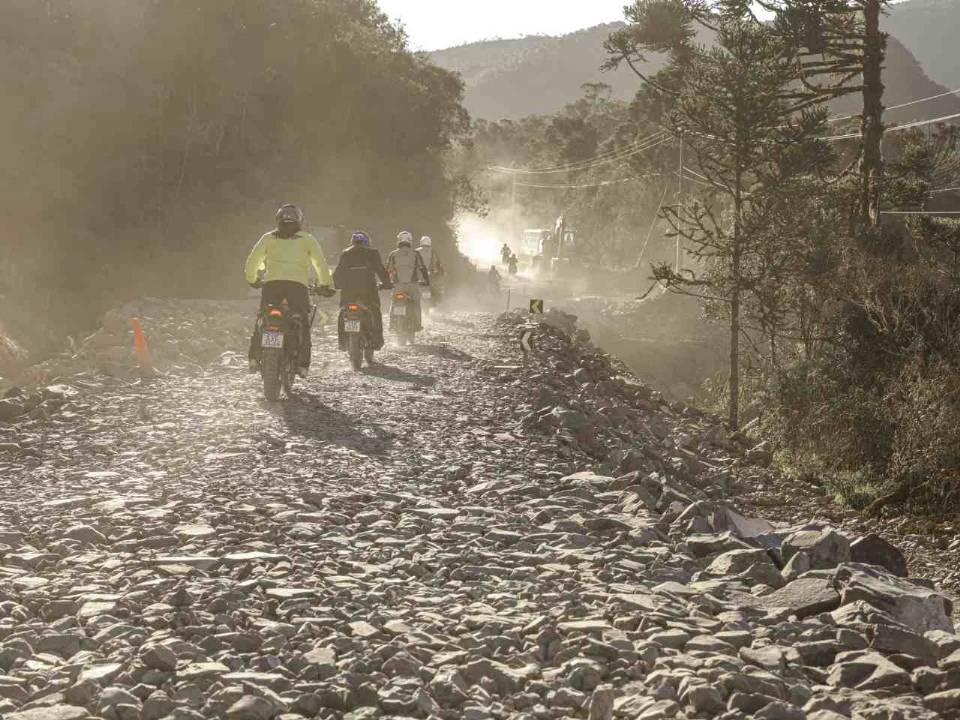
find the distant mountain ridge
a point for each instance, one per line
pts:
(540, 74)
(534, 75)
(929, 29)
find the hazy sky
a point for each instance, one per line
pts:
(435, 24)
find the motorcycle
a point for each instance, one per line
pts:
(357, 320)
(402, 314)
(282, 333)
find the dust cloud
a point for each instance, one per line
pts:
(664, 338)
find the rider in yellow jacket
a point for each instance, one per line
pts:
(280, 264)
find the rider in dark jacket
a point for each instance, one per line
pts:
(356, 276)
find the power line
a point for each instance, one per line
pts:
(597, 162)
(920, 212)
(582, 164)
(897, 128)
(591, 185)
(688, 172)
(696, 174)
(570, 166)
(943, 190)
(899, 107)
(601, 159)
(854, 135)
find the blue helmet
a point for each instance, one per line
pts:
(361, 238)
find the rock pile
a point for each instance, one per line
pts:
(18, 404)
(12, 356)
(814, 586)
(183, 335)
(590, 401)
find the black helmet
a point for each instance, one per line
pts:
(290, 214)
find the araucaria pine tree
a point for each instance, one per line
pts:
(734, 108)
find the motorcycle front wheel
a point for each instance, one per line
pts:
(270, 371)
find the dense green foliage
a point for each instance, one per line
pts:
(873, 406)
(848, 324)
(147, 144)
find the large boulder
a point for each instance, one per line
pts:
(753, 565)
(824, 547)
(874, 550)
(805, 597)
(918, 608)
(705, 544)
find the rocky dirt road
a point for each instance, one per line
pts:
(447, 535)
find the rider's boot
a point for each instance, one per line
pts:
(253, 354)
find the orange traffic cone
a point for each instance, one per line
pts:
(142, 349)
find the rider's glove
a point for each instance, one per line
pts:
(327, 291)
(256, 285)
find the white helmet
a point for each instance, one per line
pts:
(425, 241)
(405, 237)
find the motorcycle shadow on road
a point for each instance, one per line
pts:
(391, 372)
(309, 418)
(442, 350)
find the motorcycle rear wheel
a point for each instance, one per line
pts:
(270, 371)
(368, 355)
(355, 350)
(288, 373)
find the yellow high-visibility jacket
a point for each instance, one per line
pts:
(287, 259)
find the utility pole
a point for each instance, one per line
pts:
(871, 160)
(513, 213)
(680, 201)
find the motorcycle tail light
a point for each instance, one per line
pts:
(400, 296)
(276, 313)
(353, 307)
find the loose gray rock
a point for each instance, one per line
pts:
(874, 550)
(917, 607)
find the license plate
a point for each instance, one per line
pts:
(351, 326)
(272, 340)
(400, 310)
